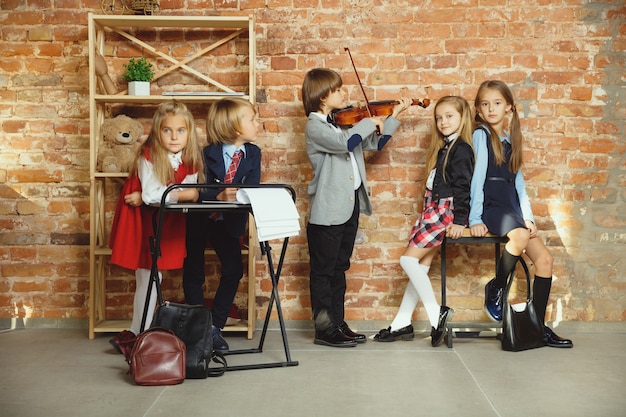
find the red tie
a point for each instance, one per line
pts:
(232, 169)
(229, 177)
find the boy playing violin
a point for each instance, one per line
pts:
(337, 194)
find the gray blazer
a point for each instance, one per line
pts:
(331, 192)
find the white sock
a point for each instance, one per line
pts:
(408, 304)
(142, 276)
(421, 282)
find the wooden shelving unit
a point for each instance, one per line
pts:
(106, 34)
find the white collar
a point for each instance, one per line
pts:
(175, 158)
(229, 149)
(450, 138)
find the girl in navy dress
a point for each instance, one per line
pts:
(500, 204)
(450, 161)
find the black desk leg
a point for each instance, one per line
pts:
(266, 249)
(155, 252)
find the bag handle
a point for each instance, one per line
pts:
(218, 358)
(510, 282)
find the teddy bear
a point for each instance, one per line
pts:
(121, 136)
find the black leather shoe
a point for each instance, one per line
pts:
(386, 335)
(436, 335)
(358, 337)
(334, 337)
(493, 301)
(219, 344)
(554, 340)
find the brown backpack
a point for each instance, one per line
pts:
(157, 358)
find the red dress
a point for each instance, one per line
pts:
(132, 229)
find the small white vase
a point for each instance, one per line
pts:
(139, 88)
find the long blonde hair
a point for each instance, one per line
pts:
(223, 121)
(515, 132)
(437, 140)
(191, 154)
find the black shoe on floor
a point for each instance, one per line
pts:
(358, 337)
(437, 335)
(333, 337)
(554, 340)
(219, 344)
(386, 335)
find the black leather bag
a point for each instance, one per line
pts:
(521, 328)
(192, 324)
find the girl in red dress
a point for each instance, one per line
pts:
(170, 155)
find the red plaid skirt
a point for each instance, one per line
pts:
(430, 229)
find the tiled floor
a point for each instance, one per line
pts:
(60, 372)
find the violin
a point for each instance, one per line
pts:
(352, 115)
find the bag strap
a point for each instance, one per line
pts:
(510, 282)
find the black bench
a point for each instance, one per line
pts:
(469, 329)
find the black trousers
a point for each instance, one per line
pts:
(200, 229)
(330, 249)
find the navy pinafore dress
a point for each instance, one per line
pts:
(501, 209)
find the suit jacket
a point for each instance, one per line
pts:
(459, 170)
(331, 192)
(248, 172)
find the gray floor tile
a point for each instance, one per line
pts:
(59, 372)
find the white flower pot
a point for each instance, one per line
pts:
(139, 88)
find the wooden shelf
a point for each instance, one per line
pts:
(119, 21)
(123, 29)
(107, 251)
(156, 99)
(116, 326)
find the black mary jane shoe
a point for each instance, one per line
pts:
(386, 335)
(437, 335)
(358, 337)
(554, 340)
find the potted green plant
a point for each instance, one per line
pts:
(138, 73)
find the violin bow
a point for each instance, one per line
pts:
(367, 103)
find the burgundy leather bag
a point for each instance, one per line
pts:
(158, 358)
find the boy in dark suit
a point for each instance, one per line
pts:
(229, 158)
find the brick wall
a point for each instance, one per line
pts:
(565, 63)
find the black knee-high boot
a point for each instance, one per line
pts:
(541, 294)
(505, 266)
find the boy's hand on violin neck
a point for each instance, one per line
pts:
(404, 103)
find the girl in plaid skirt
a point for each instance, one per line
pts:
(450, 161)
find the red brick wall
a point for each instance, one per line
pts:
(565, 63)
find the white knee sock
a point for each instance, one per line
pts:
(408, 304)
(422, 285)
(142, 276)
